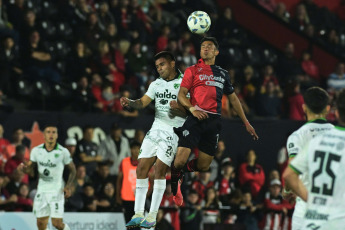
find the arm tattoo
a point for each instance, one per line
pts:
(136, 104)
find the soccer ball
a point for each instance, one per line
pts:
(199, 22)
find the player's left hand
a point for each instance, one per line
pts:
(67, 191)
(251, 131)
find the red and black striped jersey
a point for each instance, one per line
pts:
(206, 85)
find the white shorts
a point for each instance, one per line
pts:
(49, 204)
(161, 144)
(297, 223)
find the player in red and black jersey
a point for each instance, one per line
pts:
(206, 84)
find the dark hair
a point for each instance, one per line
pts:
(211, 39)
(164, 54)
(193, 191)
(86, 127)
(135, 144)
(115, 126)
(316, 99)
(20, 148)
(49, 125)
(341, 105)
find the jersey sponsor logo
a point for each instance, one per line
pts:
(314, 215)
(319, 201)
(205, 77)
(163, 101)
(46, 172)
(166, 94)
(47, 164)
(313, 227)
(176, 85)
(214, 83)
(185, 133)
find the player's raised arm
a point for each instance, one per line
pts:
(136, 104)
(238, 108)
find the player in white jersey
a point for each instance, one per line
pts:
(323, 162)
(160, 143)
(316, 108)
(50, 159)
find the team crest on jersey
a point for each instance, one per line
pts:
(199, 69)
(185, 133)
(56, 155)
(176, 85)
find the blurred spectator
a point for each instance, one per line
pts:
(333, 40)
(137, 61)
(89, 199)
(171, 214)
(139, 135)
(86, 152)
(81, 178)
(211, 205)
(3, 143)
(106, 96)
(112, 35)
(104, 16)
(101, 177)
(114, 148)
(84, 100)
(244, 104)
(6, 200)
(126, 179)
(226, 180)
(24, 203)
(251, 175)
(269, 5)
(29, 25)
(162, 223)
(186, 56)
(269, 103)
(276, 208)
(10, 67)
(17, 139)
(301, 19)
(38, 60)
(4, 106)
(91, 33)
(185, 39)
(75, 202)
(309, 67)
(77, 64)
(295, 101)
(336, 80)
(269, 76)
(15, 13)
(71, 145)
(162, 40)
(281, 12)
(16, 179)
(227, 28)
(218, 160)
(202, 184)
(13, 162)
(248, 212)
(191, 215)
(107, 199)
(5, 26)
(288, 66)
(310, 32)
(82, 10)
(126, 112)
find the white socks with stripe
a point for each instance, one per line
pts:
(157, 195)
(142, 186)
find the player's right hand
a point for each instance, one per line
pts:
(124, 101)
(200, 115)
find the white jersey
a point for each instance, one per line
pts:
(163, 92)
(296, 142)
(50, 167)
(324, 160)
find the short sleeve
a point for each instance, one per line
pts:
(187, 80)
(66, 157)
(33, 157)
(300, 163)
(293, 145)
(228, 88)
(151, 90)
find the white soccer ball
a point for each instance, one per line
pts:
(199, 22)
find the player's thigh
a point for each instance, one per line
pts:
(41, 207)
(148, 148)
(167, 147)
(57, 223)
(42, 222)
(160, 169)
(144, 166)
(57, 203)
(204, 161)
(210, 137)
(189, 134)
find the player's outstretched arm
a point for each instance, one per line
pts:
(239, 110)
(182, 98)
(71, 177)
(136, 104)
(294, 183)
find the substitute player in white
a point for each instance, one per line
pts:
(323, 160)
(51, 159)
(160, 143)
(316, 108)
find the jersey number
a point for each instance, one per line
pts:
(325, 188)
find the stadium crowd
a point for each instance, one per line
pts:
(83, 55)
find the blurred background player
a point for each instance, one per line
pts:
(160, 143)
(50, 159)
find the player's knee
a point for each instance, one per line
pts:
(58, 224)
(141, 171)
(42, 224)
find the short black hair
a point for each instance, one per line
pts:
(86, 127)
(211, 39)
(341, 105)
(115, 126)
(135, 144)
(20, 148)
(316, 99)
(165, 54)
(49, 125)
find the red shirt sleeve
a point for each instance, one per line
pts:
(187, 80)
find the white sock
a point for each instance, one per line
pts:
(142, 186)
(157, 195)
(66, 227)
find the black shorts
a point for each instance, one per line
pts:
(203, 134)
